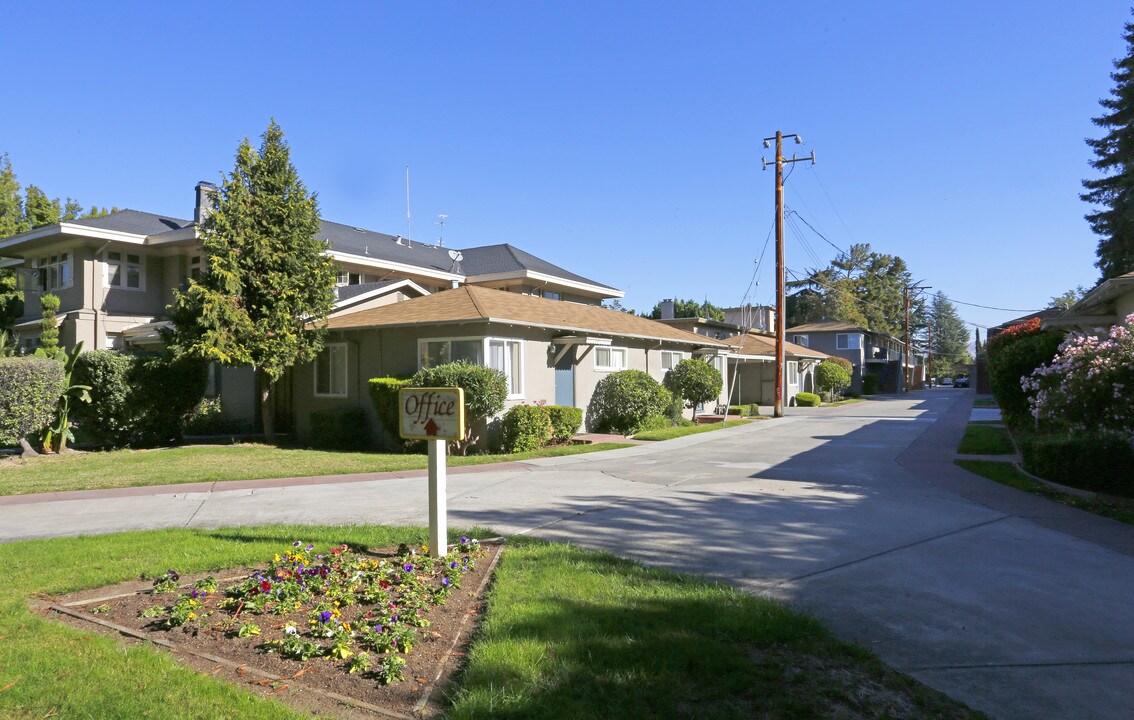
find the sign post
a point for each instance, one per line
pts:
(436, 415)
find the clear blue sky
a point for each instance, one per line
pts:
(620, 140)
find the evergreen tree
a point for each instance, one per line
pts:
(11, 222)
(977, 349)
(950, 337)
(40, 210)
(270, 281)
(690, 309)
(1114, 157)
(49, 326)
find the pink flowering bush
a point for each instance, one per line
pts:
(1089, 385)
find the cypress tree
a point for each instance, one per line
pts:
(270, 280)
(1114, 191)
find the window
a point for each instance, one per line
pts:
(507, 357)
(195, 267)
(549, 295)
(331, 371)
(431, 353)
(792, 373)
(848, 341)
(54, 272)
(669, 359)
(610, 358)
(124, 270)
(800, 340)
(348, 278)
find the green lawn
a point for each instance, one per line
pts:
(677, 431)
(845, 401)
(1121, 509)
(982, 439)
(175, 466)
(567, 633)
(985, 402)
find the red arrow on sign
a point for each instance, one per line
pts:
(431, 427)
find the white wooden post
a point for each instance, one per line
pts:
(438, 532)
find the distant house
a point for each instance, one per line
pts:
(1103, 307)
(871, 353)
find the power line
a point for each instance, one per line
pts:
(989, 307)
(832, 203)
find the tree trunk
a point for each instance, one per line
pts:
(29, 451)
(267, 408)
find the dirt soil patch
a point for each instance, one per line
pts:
(319, 686)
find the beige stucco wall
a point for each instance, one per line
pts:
(1124, 304)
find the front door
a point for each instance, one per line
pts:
(565, 380)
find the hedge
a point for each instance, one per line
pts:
(746, 410)
(340, 429)
(565, 421)
(384, 395)
(806, 399)
(870, 384)
(525, 427)
(623, 400)
(29, 393)
(1103, 463)
(1013, 357)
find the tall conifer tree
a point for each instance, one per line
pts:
(1114, 192)
(270, 281)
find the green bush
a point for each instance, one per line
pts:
(340, 429)
(843, 363)
(806, 399)
(525, 427)
(1015, 357)
(485, 391)
(870, 384)
(848, 393)
(29, 393)
(565, 422)
(384, 395)
(659, 422)
(695, 382)
(831, 378)
(1102, 463)
(208, 418)
(751, 410)
(142, 399)
(623, 400)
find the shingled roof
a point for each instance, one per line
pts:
(763, 345)
(470, 303)
(133, 221)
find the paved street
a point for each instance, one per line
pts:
(1015, 605)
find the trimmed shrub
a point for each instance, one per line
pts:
(659, 422)
(525, 427)
(485, 391)
(751, 410)
(565, 421)
(142, 399)
(1010, 360)
(340, 429)
(848, 393)
(806, 399)
(29, 393)
(623, 400)
(843, 363)
(831, 378)
(1102, 463)
(384, 395)
(695, 382)
(870, 384)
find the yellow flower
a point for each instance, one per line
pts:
(277, 557)
(425, 548)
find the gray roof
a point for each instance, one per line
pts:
(134, 221)
(346, 292)
(503, 258)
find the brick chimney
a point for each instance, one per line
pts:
(205, 192)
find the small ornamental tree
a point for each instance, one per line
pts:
(695, 382)
(623, 400)
(270, 282)
(1088, 386)
(832, 378)
(48, 327)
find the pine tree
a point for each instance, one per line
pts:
(11, 222)
(950, 337)
(270, 280)
(1114, 152)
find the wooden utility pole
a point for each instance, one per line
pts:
(781, 302)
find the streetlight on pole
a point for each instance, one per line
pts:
(781, 313)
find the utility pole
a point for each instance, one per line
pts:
(906, 349)
(781, 303)
(929, 344)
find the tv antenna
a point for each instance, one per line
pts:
(441, 221)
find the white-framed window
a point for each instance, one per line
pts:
(670, 358)
(438, 351)
(124, 270)
(346, 277)
(54, 272)
(792, 373)
(610, 359)
(801, 340)
(848, 341)
(549, 295)
(507, 356)
(196, 267)
(331, 371)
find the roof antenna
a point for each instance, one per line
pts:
(408, 233)
(441, 236)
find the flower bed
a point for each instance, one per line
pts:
(374, 628)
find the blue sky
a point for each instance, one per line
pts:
(620, 140)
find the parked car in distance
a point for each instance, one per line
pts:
(961, 382)
(947, 382)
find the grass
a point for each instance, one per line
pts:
(985, 402)
(567, 633)
(845, 401)
(175, 466)
(982, 439)
(1121, 509)
(677, 431)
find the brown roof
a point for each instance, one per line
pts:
(470, 303)
(757, 344)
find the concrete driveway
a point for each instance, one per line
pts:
(1015, 605)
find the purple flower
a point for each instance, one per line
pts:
(444, 582)
(408, 567)
(393, 618)
(173, 574)
(453, 565)
(309, 547)
(464, 540)
(325, 616)
(465, 560)
(377, 627)
(295, 544)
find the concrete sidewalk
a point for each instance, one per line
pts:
(1013, 604)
